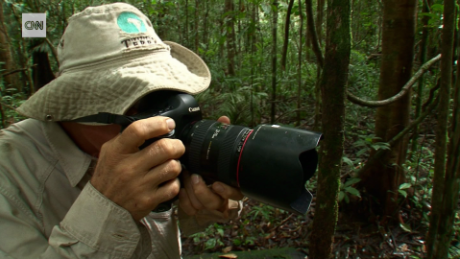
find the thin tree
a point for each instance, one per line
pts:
(197, 29)
(443, 196)
(274, 59)
(333, 92)
(286, 35)
(230, 34)
(6, 55)
(421, 82)
(299, 70)
(205, 38)
(312, 38)
(186, 24)
(383, 178)
(319, 19)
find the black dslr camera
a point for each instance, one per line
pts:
(269, 163)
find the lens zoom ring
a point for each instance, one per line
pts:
(227, 154)
(196, 144)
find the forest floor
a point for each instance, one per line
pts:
(261, 227)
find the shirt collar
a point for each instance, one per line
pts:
(72, 160)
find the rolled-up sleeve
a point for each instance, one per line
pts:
(94, 227)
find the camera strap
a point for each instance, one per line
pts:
(107, 118)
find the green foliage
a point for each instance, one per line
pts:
(10, 99)
(264, 211)
(211, 238)
(347, 189)
(366, 143)
(402, 188)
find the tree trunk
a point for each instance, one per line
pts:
(230, 27)
(274, 59)
(319, 19)
(452, 179)
(442, 198)
(240, 9)
(382, 180)
(299, 70)
(186, 24)
(252, 43)
(205, 24)
(333, 87)
(313, 34)
(41, 72)
(6, 56)
(286, 34)
(197, 6)
(319, 60)
(421, 82)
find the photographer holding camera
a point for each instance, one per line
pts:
(85, 190)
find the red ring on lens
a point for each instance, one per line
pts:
(239, 159)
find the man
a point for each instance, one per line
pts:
(79, 190)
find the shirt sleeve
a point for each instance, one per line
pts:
(94, 227)
(203, 218)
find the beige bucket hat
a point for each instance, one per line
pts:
(110, 56)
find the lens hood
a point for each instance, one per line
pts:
(275, 164)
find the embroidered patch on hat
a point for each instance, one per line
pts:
(130, 23)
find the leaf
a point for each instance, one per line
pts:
(236, 242)
(227, 249)
(362, 151)
(404, 186)
(403, 193)
(266, 8)
(437, 8)
(210, 244)
(351, 181)
(347, 161)
(249, 240)
(229, 256)
(405, 227)
(283, 4)
(341, 195)
(220, 231)
(353, 191)
(381, 145)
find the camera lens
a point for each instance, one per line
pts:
(213, 150)
(269, 163)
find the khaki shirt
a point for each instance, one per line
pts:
(45, 214)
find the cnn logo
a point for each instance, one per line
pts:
(34, 25)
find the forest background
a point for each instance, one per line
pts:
(388, 178)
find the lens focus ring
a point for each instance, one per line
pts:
(199, 135)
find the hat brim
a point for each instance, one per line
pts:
(115, 85)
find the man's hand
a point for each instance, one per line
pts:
(196, 195)
(139, 180)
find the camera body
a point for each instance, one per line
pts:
(269, 163)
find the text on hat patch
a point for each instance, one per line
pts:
(130, 23)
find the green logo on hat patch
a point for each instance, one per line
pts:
(130, 23)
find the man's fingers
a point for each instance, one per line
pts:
(190, 192)
(165, 172)
(169, 190)
(224, 119)
(226, 191)
(206, 196)
(185, 203)
(139, 131)
(158, 152)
